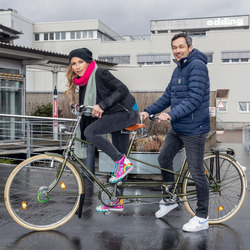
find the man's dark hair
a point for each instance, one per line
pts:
(184, 35)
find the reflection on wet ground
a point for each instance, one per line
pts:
(134, 228)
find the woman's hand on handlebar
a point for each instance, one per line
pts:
(97, 111)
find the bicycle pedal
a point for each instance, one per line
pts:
(113, 199)
(107, 213)
(119, 183)
(166, 188)
(137, 201)
(170, 201)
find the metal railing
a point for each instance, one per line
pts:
(30, 135)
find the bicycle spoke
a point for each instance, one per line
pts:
(227, 195)
(27, 186)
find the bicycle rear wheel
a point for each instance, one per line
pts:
(25, 193)
(226, 196)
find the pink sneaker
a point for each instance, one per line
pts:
(122, 168)
(119, 207)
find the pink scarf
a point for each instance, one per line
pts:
(85, 78)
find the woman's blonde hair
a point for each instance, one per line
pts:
(71, 85)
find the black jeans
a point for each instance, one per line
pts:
(113, 124)
(194, 146)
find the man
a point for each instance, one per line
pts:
(188, 95)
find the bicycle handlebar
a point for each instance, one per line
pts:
(145, 132)
(80, 109)
(152, 118)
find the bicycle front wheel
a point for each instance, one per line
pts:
(225, 196)
(26, 197)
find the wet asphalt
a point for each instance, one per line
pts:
(134, 228)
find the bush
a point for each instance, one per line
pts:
(149, 144)
(7, 161)
(154, 144)
(45, 110)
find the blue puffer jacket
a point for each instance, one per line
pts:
(188, 95)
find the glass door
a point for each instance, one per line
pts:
(11, 88)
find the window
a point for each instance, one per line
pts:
(11, 102)
(85, 34)
(235, 57)
(88, 34)
(37, 37)
(57, 35)
(99, 35)
(244, 60)
(91, 34)
(125, 59)
(72, 35)
(153, 59)
(75, 35)
(103, 37)
(46, 36)
(209, 57)
(78, 35)
(197, 34)
(244, 107)
(63, 35)
(235, 60)
(51, 36)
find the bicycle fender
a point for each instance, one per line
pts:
(72, 163)
(60, 156)
(54, 154)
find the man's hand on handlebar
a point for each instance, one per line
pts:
(164, 117)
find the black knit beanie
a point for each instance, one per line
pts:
(83, 53)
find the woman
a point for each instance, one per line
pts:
(114, 109)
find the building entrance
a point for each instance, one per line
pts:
(11, 89)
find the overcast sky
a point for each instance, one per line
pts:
(127, 17)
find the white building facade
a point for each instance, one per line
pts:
(146, 65)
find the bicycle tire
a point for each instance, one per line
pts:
(225, 201)
(25, 185)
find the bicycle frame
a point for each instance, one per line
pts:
(69, 154)
(45, 191)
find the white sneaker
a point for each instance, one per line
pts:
(162, 203)
(164, 209)
(196, 224)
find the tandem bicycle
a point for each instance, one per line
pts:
(44, 191)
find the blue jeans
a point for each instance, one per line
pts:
(194, 146)
(113, 124)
